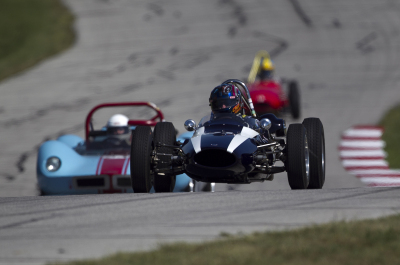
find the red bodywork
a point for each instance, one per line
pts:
(150, 122)
(268, 96)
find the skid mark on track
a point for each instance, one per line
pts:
(362, 155)
(365, 44)
(135, 199)
(281, 44)
(301, 13)
(22, 158)
(40, 113)
(299, 204)
(237, 13)
(156, 9)
(31, 220)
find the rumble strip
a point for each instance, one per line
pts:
(362, 155)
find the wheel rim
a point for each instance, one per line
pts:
(307, 159)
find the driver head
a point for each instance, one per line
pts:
(226, 98)
(118, 124)
(266, 69)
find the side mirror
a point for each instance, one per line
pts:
(190, 125)
(265, 124)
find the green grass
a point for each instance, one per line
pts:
(357, 242)
(391, 135)
(31, 31)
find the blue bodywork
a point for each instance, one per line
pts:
(84, 172)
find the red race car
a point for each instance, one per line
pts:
(268, 93)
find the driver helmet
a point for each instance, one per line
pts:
(266, 69)
(117, 125)
(226, 98)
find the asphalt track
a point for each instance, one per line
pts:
(344, 54)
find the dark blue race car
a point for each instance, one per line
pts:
(225, 149)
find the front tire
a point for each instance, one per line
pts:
(316, 145)
(297, 163)
(141, 148)
(164, 133)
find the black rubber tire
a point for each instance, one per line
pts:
(316, 146)
(141, 148)
(297, 154)
(165, 133)
(294, 99)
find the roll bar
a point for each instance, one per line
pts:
(248, 101)
(256, 65)
(150, 122)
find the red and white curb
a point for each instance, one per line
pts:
(362, 155)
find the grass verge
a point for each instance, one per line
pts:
(31, 31)
(391, 135)
(357, 242)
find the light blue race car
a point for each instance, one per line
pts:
(100, 163)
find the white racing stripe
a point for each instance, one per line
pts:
(196, 139)
(245, 134)
(249, 133)
(236, 141)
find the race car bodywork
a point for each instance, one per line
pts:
(224, 149)
(269, 95)
(97, 164)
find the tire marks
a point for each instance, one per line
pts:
(237, 13)
(281, 44)
(301, 13)
(365, 44)
(22, 158)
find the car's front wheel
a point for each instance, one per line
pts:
(141, 148)
(298, 162)
(316, 145)
(164, 133)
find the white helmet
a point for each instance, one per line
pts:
(117, 120)
(117, 123)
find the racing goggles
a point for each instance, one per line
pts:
(225, 103)
(118, 130)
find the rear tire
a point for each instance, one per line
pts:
(316, 145)
(297, 163)
(294, 99)
(141, 148)
(165, 133)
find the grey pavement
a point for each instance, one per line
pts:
(34, 230)
(344, 54)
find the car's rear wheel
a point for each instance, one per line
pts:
(164, 133)
(294, 99)
(316, 145)
(297, 163)
(141, 148)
